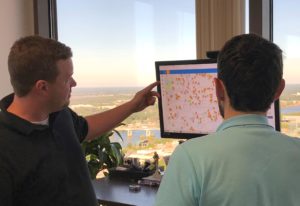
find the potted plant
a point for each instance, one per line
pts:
(100, 153)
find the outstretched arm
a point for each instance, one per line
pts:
(105, 121)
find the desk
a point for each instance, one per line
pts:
(115, 192)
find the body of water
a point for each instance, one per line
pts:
(289, 110)
(133, 136)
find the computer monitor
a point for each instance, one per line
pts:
(188, 105)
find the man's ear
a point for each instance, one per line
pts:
(41, 86)
(279, 89)
(220, 89)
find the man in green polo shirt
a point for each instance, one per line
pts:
(245, 162)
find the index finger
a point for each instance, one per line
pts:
(151, 86)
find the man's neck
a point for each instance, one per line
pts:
(28, 108)
(230, 112)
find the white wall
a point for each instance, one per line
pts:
(16, 20)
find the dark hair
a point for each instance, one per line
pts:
(34, 58)
(251, 70)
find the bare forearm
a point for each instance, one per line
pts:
(105, 121)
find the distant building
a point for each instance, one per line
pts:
(144, 143)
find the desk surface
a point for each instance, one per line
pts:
(116, 192)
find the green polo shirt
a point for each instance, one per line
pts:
(246, 162)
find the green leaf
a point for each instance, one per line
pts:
(117, 154)
(91, 157)
(101, 153)
(119, 134)
(117, 145)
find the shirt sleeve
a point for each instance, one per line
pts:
(178, 186)
(80, 125)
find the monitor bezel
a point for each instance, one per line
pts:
(165, 134)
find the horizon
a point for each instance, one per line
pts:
(142, 86)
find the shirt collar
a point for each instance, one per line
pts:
(242, 120)
(14, 122)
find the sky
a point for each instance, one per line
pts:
(286, 34)
(116, 42)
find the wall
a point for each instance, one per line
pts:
(16, 20)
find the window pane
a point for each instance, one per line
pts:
(246, 16)
(287, 35)
(115, 44)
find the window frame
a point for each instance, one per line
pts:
(261, 18)
(45, 18)
(260, 22)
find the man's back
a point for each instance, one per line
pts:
(245, 163)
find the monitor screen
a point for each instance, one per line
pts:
(188, 105)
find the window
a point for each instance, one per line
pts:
(115, 44)
(286, 34)
(271, 19)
